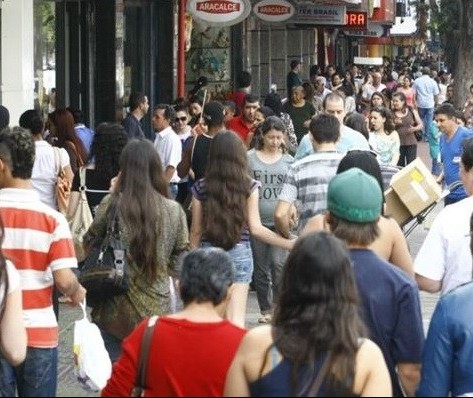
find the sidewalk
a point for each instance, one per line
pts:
(69, 387)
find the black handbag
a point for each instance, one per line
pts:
(103, 273)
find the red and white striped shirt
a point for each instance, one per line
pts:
(38, 241)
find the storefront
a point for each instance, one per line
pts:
(97, 51)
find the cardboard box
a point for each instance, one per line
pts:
(395, 208)
(416, 187)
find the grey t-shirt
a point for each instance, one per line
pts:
(271, 177)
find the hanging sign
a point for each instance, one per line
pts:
(273, 10)
(219, 12)
(310, 13)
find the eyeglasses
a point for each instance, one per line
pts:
(182, 119)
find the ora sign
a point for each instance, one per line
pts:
(219, 12)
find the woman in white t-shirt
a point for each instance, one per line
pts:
(47, 162)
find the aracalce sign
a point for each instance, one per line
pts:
(273, 10)
(219, 12)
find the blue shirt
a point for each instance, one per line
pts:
(390, 307)
(426, 88)
(349, 140)
(450, 151)
(86, 135)
(447, 361)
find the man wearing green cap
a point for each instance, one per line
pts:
(390, 302)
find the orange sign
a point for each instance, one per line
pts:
(356, 19)
(218, 7)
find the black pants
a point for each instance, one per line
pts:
(408, 154)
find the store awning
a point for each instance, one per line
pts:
(406, 26)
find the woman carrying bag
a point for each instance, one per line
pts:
(154, 230)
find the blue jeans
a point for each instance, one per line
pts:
(242, 258)
(112, 345)
(427, 116)
(173, 188)
(35, 377)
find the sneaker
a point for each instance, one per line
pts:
(265, 318)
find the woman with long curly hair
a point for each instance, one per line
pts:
(67, 138)
(109, 141)
(154, 231)
(224, 212)
(316, 345)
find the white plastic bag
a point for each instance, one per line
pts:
(92, 363)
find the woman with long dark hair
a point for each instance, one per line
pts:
(224, 212)
(316, 343)
(154, 230)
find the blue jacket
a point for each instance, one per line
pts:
(448, 352)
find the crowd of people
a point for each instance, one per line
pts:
(281, 194)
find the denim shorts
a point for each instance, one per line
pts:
(242, 257)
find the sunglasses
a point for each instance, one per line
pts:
(182, 119)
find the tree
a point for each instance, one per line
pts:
(464, 57)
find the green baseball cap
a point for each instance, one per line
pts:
(355, 196)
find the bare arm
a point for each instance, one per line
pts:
(168, 173)
(12, 330)
(282, 217)
(400, 255)
(428, 285)
(409, 377)
(419, 125)
(196, 226)
(69, 286)
(73, 203)
(258, 230)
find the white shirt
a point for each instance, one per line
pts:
(369, 90)
(445, 254)
(169, 147)
(45, 171)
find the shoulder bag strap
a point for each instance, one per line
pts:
(140, 381)
(82, 187)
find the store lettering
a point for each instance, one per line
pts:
(315, 11)
(218, 7)
(274, 10)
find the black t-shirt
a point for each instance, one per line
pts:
(94, 181)
(200, 155)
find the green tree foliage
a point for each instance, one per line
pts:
(49, 30)
(445, 21)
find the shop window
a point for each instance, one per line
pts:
(44, 56)
(209, 56)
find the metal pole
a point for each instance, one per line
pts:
(181, 49)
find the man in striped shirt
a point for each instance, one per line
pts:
(307, 180)
(38, 241)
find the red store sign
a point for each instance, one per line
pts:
(273, 10)
(219, 12)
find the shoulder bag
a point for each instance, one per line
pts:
(142, 369)
(103, 272)
(63, 185)
(82, 218)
